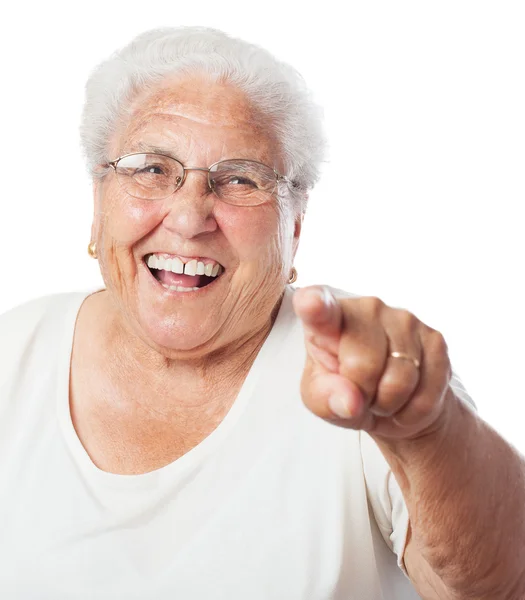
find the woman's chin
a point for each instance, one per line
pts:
(174, 321)
(174, 333)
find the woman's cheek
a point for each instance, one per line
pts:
(249, 230)
(128, 223)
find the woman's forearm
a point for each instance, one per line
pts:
(464, 486)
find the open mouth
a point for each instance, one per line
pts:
(176, 275)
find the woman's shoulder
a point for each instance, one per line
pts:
(26, 323)
(30, 313)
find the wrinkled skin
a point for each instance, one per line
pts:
(199, 122)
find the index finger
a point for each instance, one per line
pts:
(322, 316)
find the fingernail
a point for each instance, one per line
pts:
(340, 406)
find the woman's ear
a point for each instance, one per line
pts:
(298, 225)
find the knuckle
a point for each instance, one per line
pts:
(372, 305)
(439, 344)
(406, 318)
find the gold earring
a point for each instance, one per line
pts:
(293, 276)
(92, 249)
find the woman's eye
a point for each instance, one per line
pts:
(152, 170)
(242, 181)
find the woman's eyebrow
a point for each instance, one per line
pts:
(142, 147)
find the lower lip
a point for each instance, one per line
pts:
(190, 294)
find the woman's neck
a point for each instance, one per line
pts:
(141, 374)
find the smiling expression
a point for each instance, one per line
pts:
(149, 250)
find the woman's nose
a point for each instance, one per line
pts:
(189, 210)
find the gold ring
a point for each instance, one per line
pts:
(406, 357)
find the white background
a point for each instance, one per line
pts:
(422, 198)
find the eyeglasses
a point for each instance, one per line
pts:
(236, 181)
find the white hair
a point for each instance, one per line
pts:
(273, 87)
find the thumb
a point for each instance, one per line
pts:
(322, 317)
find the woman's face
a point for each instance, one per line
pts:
(199, 123)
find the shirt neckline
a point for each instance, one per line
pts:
(198, 453)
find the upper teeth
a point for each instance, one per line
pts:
(175, 264)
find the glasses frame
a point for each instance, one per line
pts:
(278, 177)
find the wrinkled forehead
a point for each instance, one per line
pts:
(200, 98)
(198, 105)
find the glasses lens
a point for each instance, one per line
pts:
(149, 176)
(242, 182)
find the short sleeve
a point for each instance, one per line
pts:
(384, 494)
(385, 498)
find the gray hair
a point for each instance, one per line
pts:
(273, 87)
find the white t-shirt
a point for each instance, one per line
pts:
(275, 504)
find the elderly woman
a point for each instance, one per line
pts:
(199, 429)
